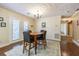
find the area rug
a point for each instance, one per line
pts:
(52, 49)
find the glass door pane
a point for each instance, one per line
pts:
(15, 29)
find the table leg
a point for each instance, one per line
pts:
(35, 38)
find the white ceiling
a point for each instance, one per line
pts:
(45, 9)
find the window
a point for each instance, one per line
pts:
(26, 27)
(15, 29)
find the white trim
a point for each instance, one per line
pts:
(8, 43)
(76, 42)
(54, 39)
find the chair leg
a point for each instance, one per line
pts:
(24, 47)
(35, 44)
(44, 43)
(29, 49)
(35, 50)
(35, 47)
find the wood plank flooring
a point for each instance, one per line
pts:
(9, 47)
(68, 48)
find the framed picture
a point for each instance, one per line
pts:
(43, 24)
(1, 18)
(3, 24)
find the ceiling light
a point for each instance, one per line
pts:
(37, 15)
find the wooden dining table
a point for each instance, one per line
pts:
(35, 34)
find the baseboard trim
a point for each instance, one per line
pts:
(5, 45)
(54, 40)
(77, 43)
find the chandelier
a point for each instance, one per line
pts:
(37, 15)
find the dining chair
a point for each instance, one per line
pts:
(30, 31)
(42, 30)
(42, 38)
(27, 42)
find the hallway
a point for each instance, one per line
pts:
(69, 48)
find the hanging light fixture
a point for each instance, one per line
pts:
(37, 15)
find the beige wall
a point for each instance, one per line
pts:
(71, 29)
(6, 32)
(76, 28)
(52, 26)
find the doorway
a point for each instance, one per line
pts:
(66, 44)
(70, 31)
(66, 29)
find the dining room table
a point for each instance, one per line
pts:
(35, 34)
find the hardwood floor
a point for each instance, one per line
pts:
(68, 48)
(9, 47)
